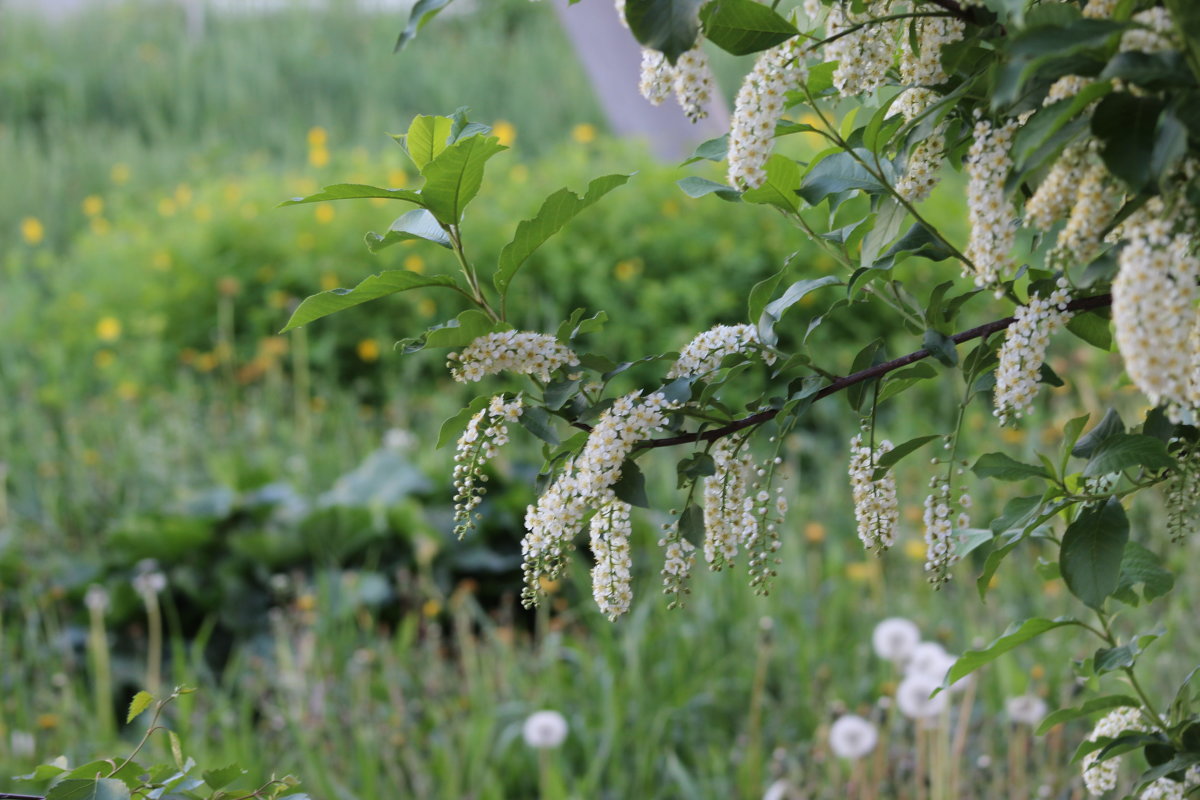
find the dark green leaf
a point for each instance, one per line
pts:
(557, 210)
(941, 346)
(669, 26)
(918, 241)
(893, 456)
(417, 224)
(1127, 126)
(695, 186)
(372, 288)
(558, 392)
(355, 191)
(1090, 707)
(1047, 121)
(1093, 328)
(536, 420)
(458, 332)
(1006, 468)
(1015, 636)
(1141, 566)
(762, 293)
(1091, 553)
(88, 789)
(691, 524)
(695, 466)
(453, 178)
(742, 27)
(631, 486)
(1109, 425)
(220, 778)
(1123, 451)
(453, 427)
(869, 356)
(1170, 146)
(1152, 71)
(838, 173)
(422, 12)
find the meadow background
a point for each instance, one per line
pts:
(287, 489)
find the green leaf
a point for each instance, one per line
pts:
(795, 293)
(558, 392)
(372, 288)
(1000, 550)
(557, 210)
(631, 486)
(88, 789)
(1091, 553)
(695, 186)
(417, 224)
(458, 332)
(355, 191)
(841, 172)
(712, 150)
(1152, 71)
(462, 128)
(1170, 146)
(888, 219)
(1141, 566)
(1093, 328)
(1046, 122)
(762, 293)
(218, 779)
(453, 178)
(780, 186)
(1029, 629)
(140, 702)
(693, 467)
(918, 241)
(941, 346)
(892, 457)
(1109, 425)
(742, 27)
(874, 353)
(422, 12)
(669, 26)
(426, 138)
(1090, 707)
(691, 524)
(1127, 126)
(453, 427)
(1006, 468)
(1122, 451)
(536, 420)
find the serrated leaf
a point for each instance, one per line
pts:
(695, 186)
(1092, 548)
(458, 332)
(422, 12)
(417, 224)
(218, 779)
(88, 789)
(140, 702)
(453, 427)
(1122, 451)
(453, 178)
(372, 288)
(669, 26)
(1090, 707)
(1017, 635)
(557, 210)
(426, 138)
(355, 191)
(742, 27)
(1006, 468)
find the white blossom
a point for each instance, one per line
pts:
(544, 730)
(923, 66)
(1183, 493)
(993, 228)
(1026, 709)
(522, 352)
(483, 437)
(1024, 352)
(876, 509)
(612, 574)
(913, 697)
(1097, 200)
(939, 533)
(1099, 9)
(679, 556)
(693, 83)
(863, 55)
(921, 172)
(658, 77)
(759, 105)
(704, 353)
(1100, 777)
(1156, 34)
(852, 737)
(726, 523)
(895, 639)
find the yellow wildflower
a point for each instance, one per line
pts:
(584, 133)
(32, 230)
(108, 329)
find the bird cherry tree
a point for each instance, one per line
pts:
(1076, 125)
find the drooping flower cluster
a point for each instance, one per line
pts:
(922, 66)
(690, 78)
(727, 524)
(586, 482)
(704, 353)
(1154, 37)
(522, 352)
(993, 228)
(610, 529)
(679, 556)
(921, 172)
(1101, 776)
(759, 105)
(939, 529)
(485, 434)
(1024, 352)
(863, 55)
(1056, 194)
(1097, 9)
(875, 506)
(1154, 311)
(762, 540)
(1183, 493)
(1096, 203)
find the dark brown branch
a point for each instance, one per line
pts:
(955, 8)
(4, 796)
(877, 371)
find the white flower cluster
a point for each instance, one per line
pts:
(704, 353)
(875, 506)
(922, 66)
(1154, 311)
(921, 172)
(925, 671)
(522, 352)
(679, 556)
(852, 737)
(759, 105)
(1095, 9)
(864, 54)
(762, 541)
(1096, 202)
(1154, 37)
(939, 529)
(610, 529)
(1183, 493)
(690, 78)
(1055, 195)
(993, 229)
(727, 524)
(584, 483)
(1101, 777)
(1024, 352)
(485, 434)
(1026, 709)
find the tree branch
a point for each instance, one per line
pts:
(956, 8)
(877, 371)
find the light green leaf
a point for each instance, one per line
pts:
(842, 172)
(695, 186)
(453, 427)
(88, 789)
(458, 332)
(888, 219)
(1092, 550)
(1088, 708)
(140, 702)
(372, 288)
(775, 309)
(426, 138)
(355, 191)
(893, 456)
(218, 779)
(1018, 635)
(557, 210)
(1123, 451)
(742, 27)
(453, 178)
(1006, 468)
(417, 224)
(779, 188)
(422, 12)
